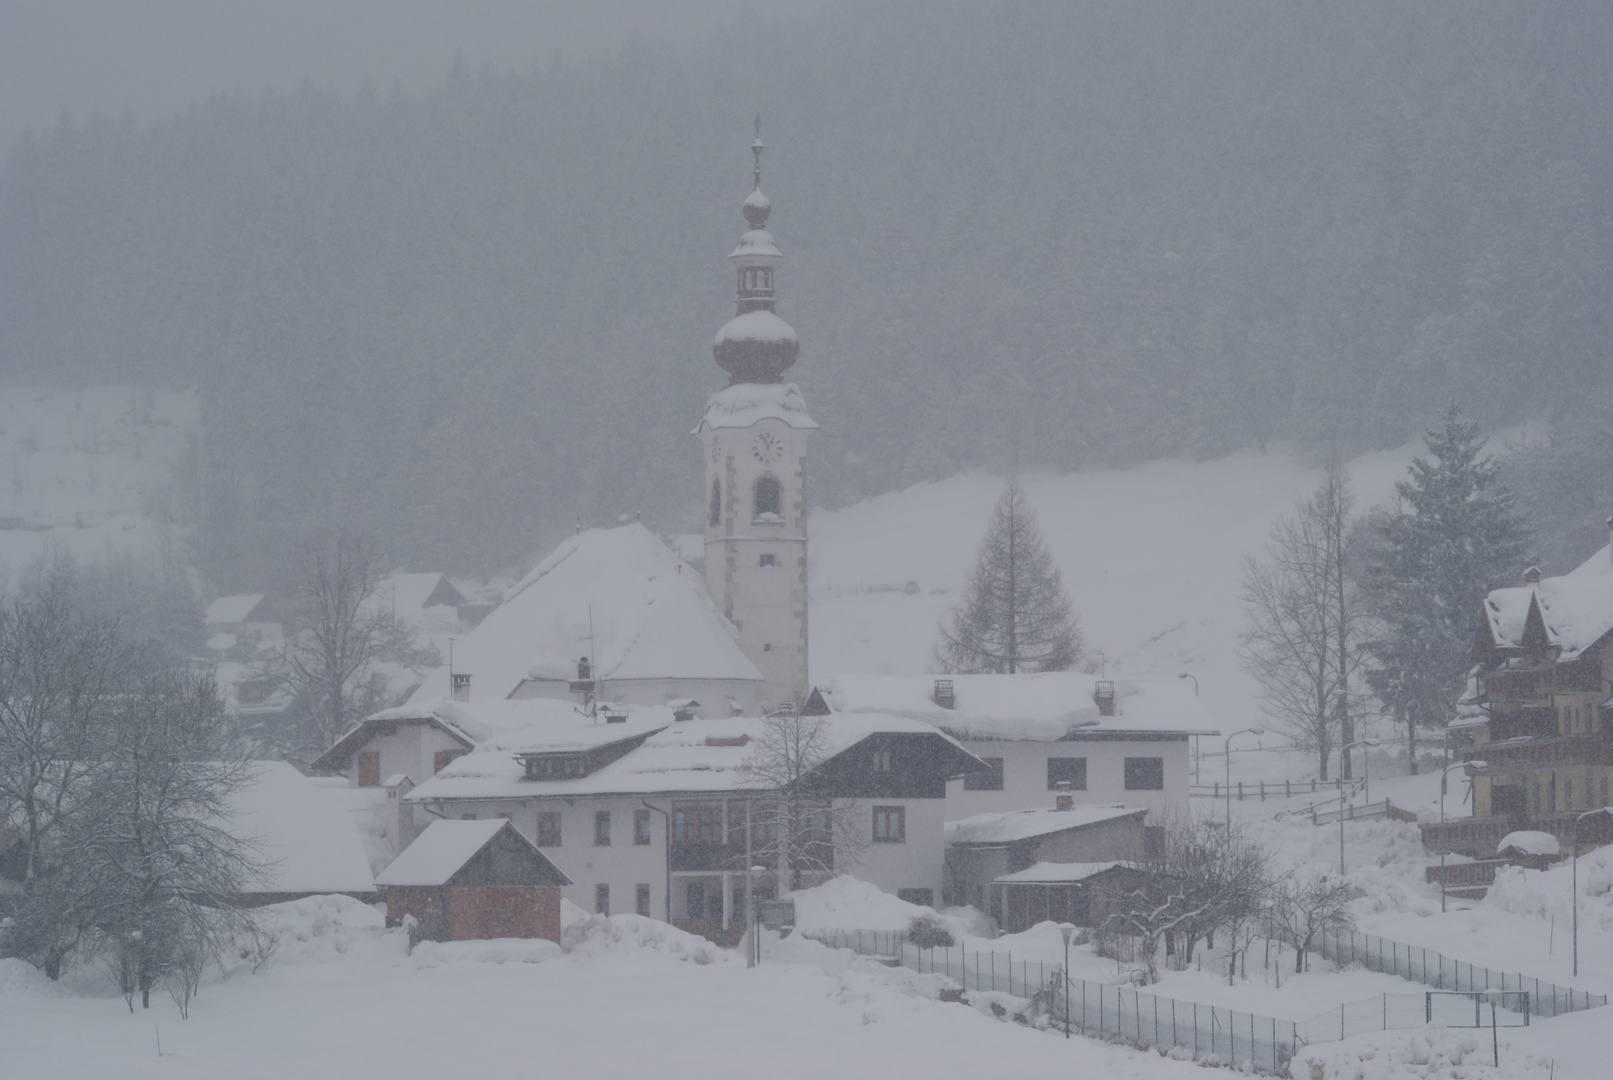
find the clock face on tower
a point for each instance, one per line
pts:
(767, 448)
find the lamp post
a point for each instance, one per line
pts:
(1067, 929)
(755, 950)
(1344, 755)
(1188, 675)
(1234, 735)
(1444, 777)
(1573, 842)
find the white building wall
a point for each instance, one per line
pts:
(768, 603)
(916, 863)
(1025, 776)
(411, 749)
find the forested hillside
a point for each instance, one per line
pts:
(1057, 235)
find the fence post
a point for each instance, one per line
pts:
(1287, 794)
(1240, 791)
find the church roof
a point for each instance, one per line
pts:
(1574, 611)
(618, 596)
(744, 405)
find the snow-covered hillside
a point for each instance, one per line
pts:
(94, 472)
(1150, 556)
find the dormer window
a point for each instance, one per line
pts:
(555, 766)
(768, 499)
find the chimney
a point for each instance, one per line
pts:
(943, 694)
(1064, 800)
(461, 686)
(1103, 694)
(1531, 576)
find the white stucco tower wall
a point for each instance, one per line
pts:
(754, 435)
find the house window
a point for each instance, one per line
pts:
(986, 781)
(921, 897)
(694, 901)
(1145, 774)
(763, 823)
(768, 498)
(549, 828)
(715, 517)
(641, 899)
(369, 768)
(602, 828)
(641, 828)
(882, 761)
(697, 823)
(602, 899)
(1073, 769)
(890, 824)
(443, 757)
(766, 560)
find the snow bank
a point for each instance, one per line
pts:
(846, 903)
(597, 935)
(22, 979)
(318, 928)
(1421, 1055)
(432, 954)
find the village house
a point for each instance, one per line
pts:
(1538, 713)
(649, 816)
(1111, 741)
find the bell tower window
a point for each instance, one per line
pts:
(768, 498)
(715, 517)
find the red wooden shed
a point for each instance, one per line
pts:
(463, 880)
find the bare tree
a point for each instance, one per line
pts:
(798, 825)
(1015, 614)
(1305, 624)
(154, 865)
(1303, 907)
(336, 640)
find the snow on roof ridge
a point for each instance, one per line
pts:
(439, 852)
(1014, 825)
(1059, 872)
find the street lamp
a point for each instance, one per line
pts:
(1344, 756)
(1444, 777)
(1067, 929)
(755, 943)
(1573, 842)
(1234, 735)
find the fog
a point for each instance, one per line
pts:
(467, 304)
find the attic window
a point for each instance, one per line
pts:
(555, 766)
(727, 740)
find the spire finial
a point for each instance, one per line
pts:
(756, 148)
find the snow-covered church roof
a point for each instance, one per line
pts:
(618, 596)
(1576, 609)
(745, 404)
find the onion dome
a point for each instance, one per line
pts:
(756, 346)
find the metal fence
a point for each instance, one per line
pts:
(1435, 969)
(1398, 1012)
(1210, 1032)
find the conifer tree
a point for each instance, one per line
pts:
(1015, 614)
(1428, 565)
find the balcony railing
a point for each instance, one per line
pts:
(1478, 836)
(1542, 753)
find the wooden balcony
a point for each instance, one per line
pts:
(1529, 754)
(1478, 836)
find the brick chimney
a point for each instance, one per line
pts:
(461, 686)
(1103, 694)
(1064, 800)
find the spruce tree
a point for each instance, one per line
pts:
(1428, 566)
(1015, 614)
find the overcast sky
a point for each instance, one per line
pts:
(156, 56)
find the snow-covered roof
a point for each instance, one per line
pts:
(1576, 608)
(618, 596)
(409, 596)
(1016, 825)
(745, 404)
(686, 756)
(1042, 707)
(229, 610)
(306, 838)
(438, 853)
(1529, 842)
(1053, 873)
(755, 326)
(757, 243)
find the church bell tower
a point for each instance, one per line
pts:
(754, 435)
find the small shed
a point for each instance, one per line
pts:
(464, 880)
(1080, 893)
